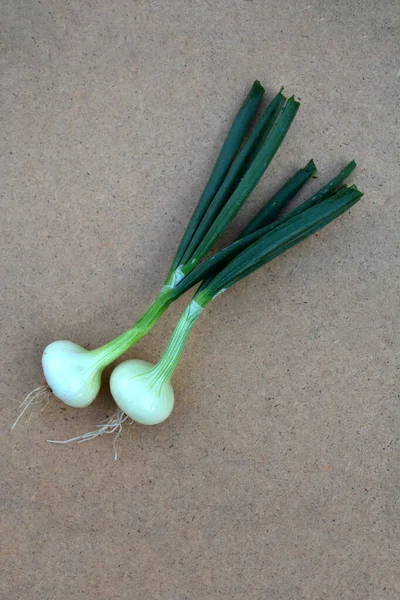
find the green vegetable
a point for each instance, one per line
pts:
(271, 210)
(224, 161)
(143, 391)
(249, 234)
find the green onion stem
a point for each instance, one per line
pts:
(170, 291)
(164, 369)
(215, 276)
(113, 349)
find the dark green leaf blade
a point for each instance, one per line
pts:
(270, 211)
(249, 181)
(281, 239)
(327, 190)
(207, 269)
(238, 168)
(227, 154)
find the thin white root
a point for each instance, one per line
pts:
(38, 396)
(111, 425)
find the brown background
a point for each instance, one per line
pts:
(277, 476)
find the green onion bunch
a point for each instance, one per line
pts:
(142, 391)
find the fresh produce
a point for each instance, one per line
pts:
(143, 391)
(73, 374)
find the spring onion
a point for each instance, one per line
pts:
(72, 373)
(266, 215)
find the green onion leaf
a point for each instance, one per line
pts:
(239, 167)
(207, 269)
(280, 239)
(248, 182)
(228, 152)
(327, 190)
(270, 211)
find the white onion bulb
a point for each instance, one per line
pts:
(141, 393)
(72, 373)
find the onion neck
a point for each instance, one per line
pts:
(112, 350)
(166, 366)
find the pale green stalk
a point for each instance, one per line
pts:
(166, 366)
(113, 349)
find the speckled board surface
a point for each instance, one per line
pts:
(277, 476)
